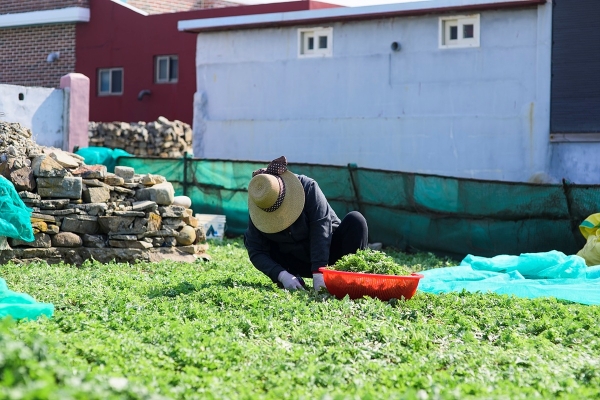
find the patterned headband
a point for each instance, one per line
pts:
(275, 168)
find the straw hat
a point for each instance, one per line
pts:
(275, 197)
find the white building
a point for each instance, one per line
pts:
(449, 87)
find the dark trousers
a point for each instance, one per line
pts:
(350, 236)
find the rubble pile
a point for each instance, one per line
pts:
(162, 138)
(81, 211)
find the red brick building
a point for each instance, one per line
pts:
(30, 30)
(139, 64)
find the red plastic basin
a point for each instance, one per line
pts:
(357, 285)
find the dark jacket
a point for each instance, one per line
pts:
(307, 239)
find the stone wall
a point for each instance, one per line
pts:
(162, 138)
(82, 211)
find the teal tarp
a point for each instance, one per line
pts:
(21, 305)
(15, 217)
(530, 275)
(102, 155)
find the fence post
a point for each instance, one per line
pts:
(352, 168)
(77, 110)
(184, 183)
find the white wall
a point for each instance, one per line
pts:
(474, 112)
(577, 162)
(41, 110)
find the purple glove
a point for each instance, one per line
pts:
(289, 281)
(318, 282)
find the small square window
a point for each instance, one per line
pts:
(167, 69)
(322, 42)
(110, 81)
(459, 31)
(315, 42)
(453, 32)
(468, 31)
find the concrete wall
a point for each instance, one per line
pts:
(41, 110)
(471, 112)
(577, 162)
(57, 117)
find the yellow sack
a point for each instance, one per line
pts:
(591, 251)
(590, 225)
(589, 229)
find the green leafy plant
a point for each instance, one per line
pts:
(222, 330)
(371, 262)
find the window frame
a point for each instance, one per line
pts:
(110, 83)
(459, 21)
(157, 78)
(304, 34)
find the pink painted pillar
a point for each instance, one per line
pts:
(77, 110)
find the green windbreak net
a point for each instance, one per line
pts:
(444, 215)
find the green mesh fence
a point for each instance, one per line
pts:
(443, 215)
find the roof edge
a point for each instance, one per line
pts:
(62, 15)
(345, 14)
(132, 8)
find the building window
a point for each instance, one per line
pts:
(459, 31)
(110, 81)
(167, 69)
(315, 42)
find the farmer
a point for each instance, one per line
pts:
(293, 231)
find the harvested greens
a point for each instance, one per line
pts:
(370, 262)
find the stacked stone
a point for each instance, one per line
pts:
(81, 208)
(17, 148)
(162, 138)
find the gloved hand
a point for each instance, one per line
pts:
(289, 281)
(318, 281)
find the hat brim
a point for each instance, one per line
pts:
(287, 213)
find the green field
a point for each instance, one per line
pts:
(222, 330)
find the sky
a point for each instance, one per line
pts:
(347, 3)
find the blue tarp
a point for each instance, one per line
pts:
(530, 275)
